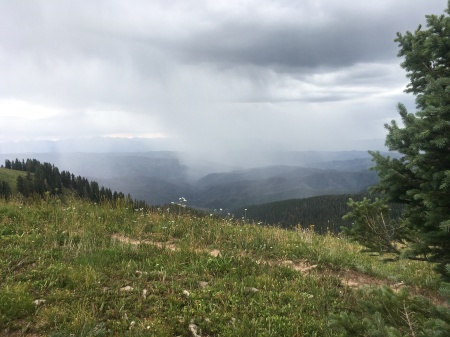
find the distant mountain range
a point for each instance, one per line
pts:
(226, 180)
(262, 185)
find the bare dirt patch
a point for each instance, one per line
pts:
(162, 245)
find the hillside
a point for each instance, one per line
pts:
(325, 212)
(10, 176)
(73, 267)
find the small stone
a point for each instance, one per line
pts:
(39, 302)
(203, 284)
(144, 293)
(127, 288)
(215, 253)
(186, 293)
(194, 330)
(398, 285)
(251, 290)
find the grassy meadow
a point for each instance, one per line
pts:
(10, 176)
(75, 268)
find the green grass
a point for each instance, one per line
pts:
(10, 176)
(76, 258)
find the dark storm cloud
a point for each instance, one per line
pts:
(209, 74)
(291, 46)
(337, 36)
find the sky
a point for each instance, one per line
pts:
(206, 75)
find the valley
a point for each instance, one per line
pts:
(227, 181)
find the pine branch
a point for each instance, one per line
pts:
(408, 320)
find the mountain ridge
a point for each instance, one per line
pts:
(160, 177)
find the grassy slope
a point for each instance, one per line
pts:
(77, 260)
(10, 176)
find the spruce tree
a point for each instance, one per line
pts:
(5, 190)
(420, 177)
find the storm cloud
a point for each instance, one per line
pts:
(205, 75)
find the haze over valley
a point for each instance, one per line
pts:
(226, 181)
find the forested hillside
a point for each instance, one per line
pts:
(269, 184)
(33, 178)
(324, 212)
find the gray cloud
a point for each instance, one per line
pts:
(207, 74)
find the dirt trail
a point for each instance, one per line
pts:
(350, 278)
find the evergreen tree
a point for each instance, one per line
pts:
(420, 178)
(5, 190)
(382, 312)
(20, 184)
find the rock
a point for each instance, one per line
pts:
(215, 253)
(39, 302)
(132, 324)
(203, 284)
(194, 330)
(127, 288)
(251, 290)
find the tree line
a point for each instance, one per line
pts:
(324, 212)
(45, 178)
